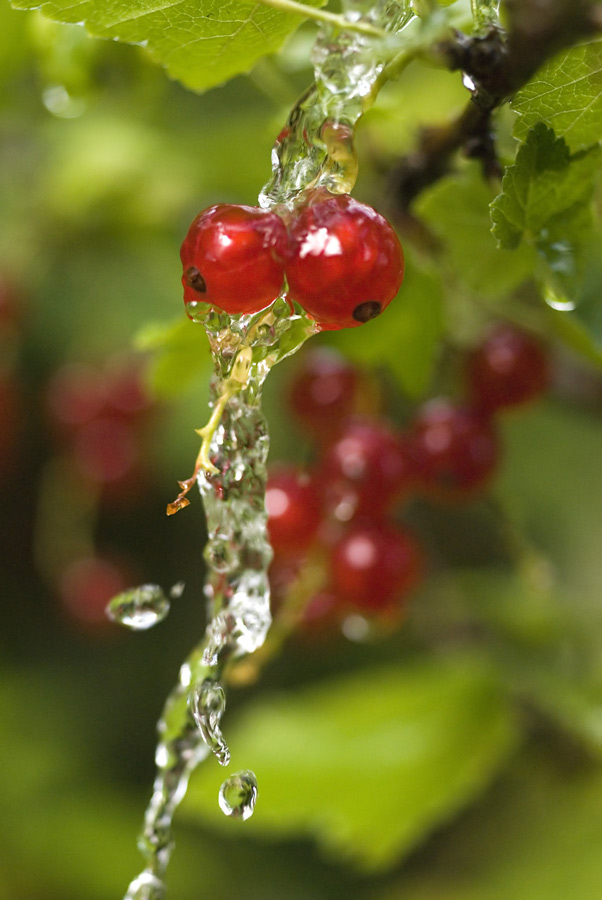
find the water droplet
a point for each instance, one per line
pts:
(557, 301)
(177, 590)
(207, 702)
(146, 887)
(139, 608)
(468, 82)
(238, 795)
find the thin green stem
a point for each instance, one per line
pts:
(310, 12)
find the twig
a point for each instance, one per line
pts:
(495, 65)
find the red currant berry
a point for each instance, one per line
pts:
(345, 262)
(76, 394)
(232, 258)
(323, 391)
(367, 469)
(126, 391)
(508, 369)
(106, 449)
(87, 585)
(455, 449)
(374, 567)
(294, 510)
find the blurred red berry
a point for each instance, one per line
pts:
(510, 367)
(366, 470)
(87, 585)
(294, 510)
(374, 567)
(323, 392)
(455, 449)
(75, 394)
(106, 449)
(126, 391)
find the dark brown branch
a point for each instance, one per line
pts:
(495, 65)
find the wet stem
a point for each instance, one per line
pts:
(309, 12)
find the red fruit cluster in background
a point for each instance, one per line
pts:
(99, 418)
(342, 518)
(342, 260)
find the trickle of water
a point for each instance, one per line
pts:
(238, 795)
(146, 887)
(139, 608)
(207, 703)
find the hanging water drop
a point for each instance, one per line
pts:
(176, 591)
(139, 608)
(207, 702)
(238, 795)
(146, 887)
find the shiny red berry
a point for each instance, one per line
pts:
(374, 567)
(294, 509)
(345, 262)
(455, 450)
(366, 470)
(511, 367)
(231, 258)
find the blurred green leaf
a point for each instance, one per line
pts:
(202, 43)
(552, 481)
(566, 94)
(180, 354)
(405, 338)
(456, 210)
(538, 836)
(549, 655)
(370, 763)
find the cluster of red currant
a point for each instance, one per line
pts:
(100, 420)
(342, 519)
(341, 260)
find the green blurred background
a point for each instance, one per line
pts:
(457, 757)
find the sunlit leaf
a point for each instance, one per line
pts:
(201, 43)
(566, 94)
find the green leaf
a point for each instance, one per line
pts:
(546, 188)
(537, 838)
(181, 354)
(369, 763)
(566, 94)
(457, 211)
(406, 337)
(202, 43)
